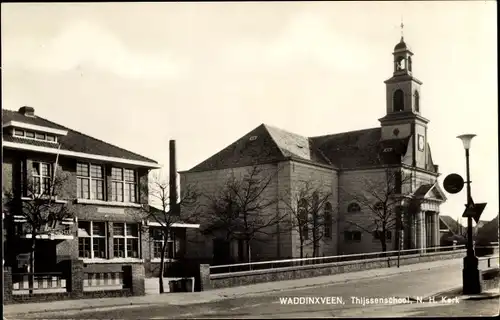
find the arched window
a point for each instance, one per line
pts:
(353, 207)
(328, 220)
(379, 206)
(409, 63)
(398, 101)
(400, 64)
(417, 101)
(303, 219)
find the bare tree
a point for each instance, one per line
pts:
(238, 209)
(383, 203)
(36, 207)
(311, 214)
(167, 214)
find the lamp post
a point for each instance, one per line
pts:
(470, 274)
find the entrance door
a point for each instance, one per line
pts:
(45, 256)
(221, 251)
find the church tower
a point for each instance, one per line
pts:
(403, 117)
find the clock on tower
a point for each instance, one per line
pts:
(421, 142)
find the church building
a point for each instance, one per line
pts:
(348, 166)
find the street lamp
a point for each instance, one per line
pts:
(470, 274)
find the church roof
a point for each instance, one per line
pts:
(347, 150)
(351, 149)
(264, 144)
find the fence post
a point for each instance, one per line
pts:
(205, 277)
(74, 284)
(137, 275)
(7, 284)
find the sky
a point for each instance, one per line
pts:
(205, 74)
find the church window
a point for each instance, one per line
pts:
(398, 182)
(379, 206)
(417, 101)
(409, 63)
(303, 219)
(398, 103)
(328, 220)
(353, 207)
(377, 234)
(352, 236)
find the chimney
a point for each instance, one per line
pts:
(173, 180)
(27, 111)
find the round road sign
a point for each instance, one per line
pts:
(453, 183)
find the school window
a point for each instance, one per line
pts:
(158, 241)
(123, 185)
(42, 175)
(92, 240)
(90, 181)
(125, 240)
(40, 136)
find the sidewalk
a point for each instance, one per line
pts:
(225, 293)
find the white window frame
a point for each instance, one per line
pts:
(91, 237)
(25, 136)
(90, 179)
(122, 183)
(125, 237)
(41, 177)
(161, 243)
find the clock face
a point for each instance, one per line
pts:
(420, 143)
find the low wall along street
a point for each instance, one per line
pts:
(75, 281)
(234, 279)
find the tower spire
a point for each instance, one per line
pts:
(402, 26)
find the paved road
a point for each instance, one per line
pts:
(341, 303)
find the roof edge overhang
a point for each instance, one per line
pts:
(310, 162)
(192, 170)
(434, 174)
(81, 155)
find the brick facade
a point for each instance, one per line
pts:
(97, 211)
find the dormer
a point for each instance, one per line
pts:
(25, 127)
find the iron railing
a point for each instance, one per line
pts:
(49, 282)
(264, 265)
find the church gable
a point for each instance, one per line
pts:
(255, 147)
(436, 193)
(296, 146)
(430, 191)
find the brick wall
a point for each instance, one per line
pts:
(285, 185)
(324, 181)
(299, 272)
(74, 275)
(209, 183)
(353, 184)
